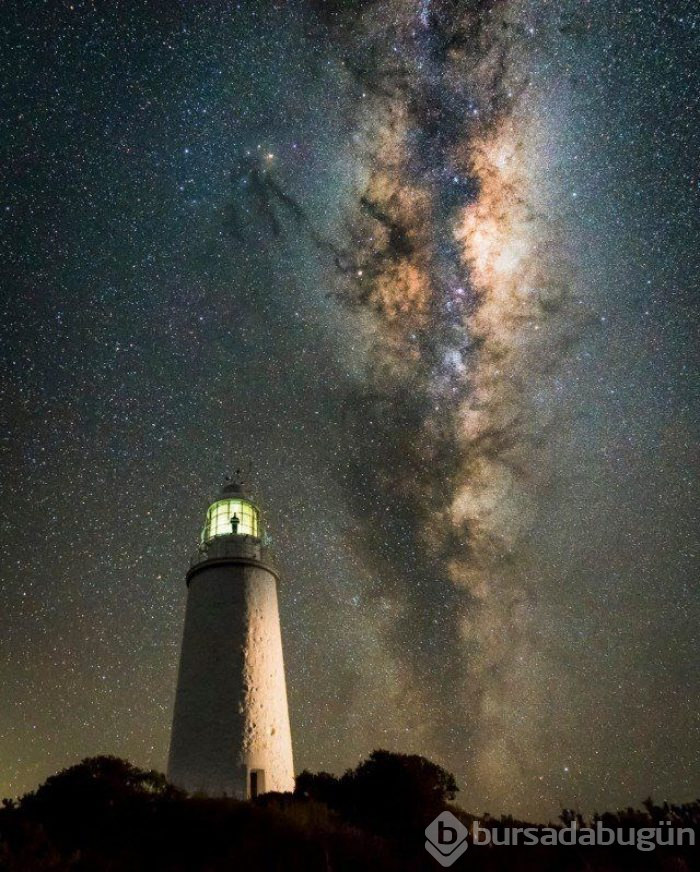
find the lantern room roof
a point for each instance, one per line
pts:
(234, 488)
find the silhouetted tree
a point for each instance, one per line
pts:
(390, 794)
(91, 805)
(320, 786)
(105, 815)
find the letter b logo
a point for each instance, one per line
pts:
(446, 835)
(447, 838)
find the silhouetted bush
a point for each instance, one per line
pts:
(105, 815)
(395, 795)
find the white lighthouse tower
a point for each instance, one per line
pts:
(230, 733)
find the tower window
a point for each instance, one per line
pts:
(222, 512)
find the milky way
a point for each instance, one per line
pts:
(426, 269)
(471, 304)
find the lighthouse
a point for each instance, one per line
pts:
(230, 734)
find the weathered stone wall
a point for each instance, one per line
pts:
(231, 712)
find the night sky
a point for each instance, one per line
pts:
(427, 272)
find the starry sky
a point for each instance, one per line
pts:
(427, 272)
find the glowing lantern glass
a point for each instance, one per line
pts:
(222, 513)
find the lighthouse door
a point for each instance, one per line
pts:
(257, 782)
